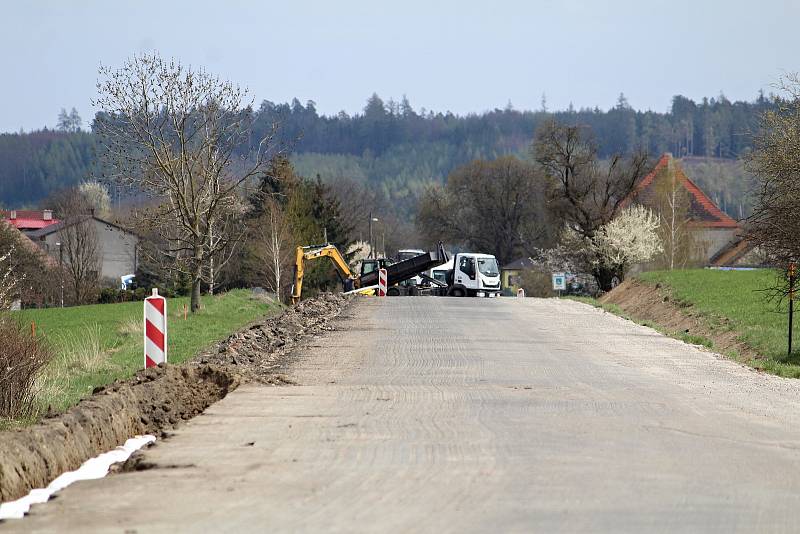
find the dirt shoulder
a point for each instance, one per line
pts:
(156, 400)
(646, 303)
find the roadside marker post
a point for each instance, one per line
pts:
(792, 279)
(155, 330)
(382, 282)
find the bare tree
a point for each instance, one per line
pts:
(177, 133)
(271, 245)
(495, 206)
(80, 248)
(774, 225)
(672, 206)
(585, 194)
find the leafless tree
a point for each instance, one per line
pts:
(495, 206)
(81, 253)
(585, 194)
(672, 206)
(271, 246)
(774, 225)
(178, 133)
(358, 200)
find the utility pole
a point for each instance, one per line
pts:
(371, 247)
(61, 269)
(792, 268)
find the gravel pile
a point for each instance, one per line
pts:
(256, 352)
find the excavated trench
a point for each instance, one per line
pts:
(156, 400)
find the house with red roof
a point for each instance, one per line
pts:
(29, 220)
(710, 230)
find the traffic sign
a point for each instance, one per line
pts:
(559, 282)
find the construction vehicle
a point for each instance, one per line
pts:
(470, 275)
(312, 252)
(467, 274)
(368, 277)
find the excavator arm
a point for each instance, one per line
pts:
(313, 252)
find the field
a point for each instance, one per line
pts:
(98, 344)
(738, 302)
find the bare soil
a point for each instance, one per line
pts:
(156, 400)
(653, 303)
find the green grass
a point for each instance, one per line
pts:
(98, 344)
(618, 311)
(737, 301)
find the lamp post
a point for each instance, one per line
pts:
(61, 270)
(371, 248)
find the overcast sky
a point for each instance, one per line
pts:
(462, 56)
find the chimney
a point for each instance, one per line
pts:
(47, 215)
(13, 215)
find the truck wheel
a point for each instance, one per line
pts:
(457, 292)
(392, 292)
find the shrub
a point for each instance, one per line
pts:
(22, 358)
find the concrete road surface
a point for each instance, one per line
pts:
(472, 415)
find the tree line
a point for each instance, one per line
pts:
(400, 149)
(223, 205)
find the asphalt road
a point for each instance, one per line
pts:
(477, 415)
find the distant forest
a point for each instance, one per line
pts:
(400, 150)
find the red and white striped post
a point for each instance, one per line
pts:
(155, 330)
(382, 282)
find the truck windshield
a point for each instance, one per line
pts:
(488, 267)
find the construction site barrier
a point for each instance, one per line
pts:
(382, 282)
(155, 330)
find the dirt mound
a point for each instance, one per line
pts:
(256, 352)
(156, 399)
(653, 303)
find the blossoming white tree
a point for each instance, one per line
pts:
(8, 281)
(630, 238)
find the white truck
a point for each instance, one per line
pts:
(466, 274)
(473, 275)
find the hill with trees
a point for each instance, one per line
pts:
(399, 150)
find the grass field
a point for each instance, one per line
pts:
(100, 343)
(740, 297)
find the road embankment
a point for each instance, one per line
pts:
(655, 305)
(157, 399)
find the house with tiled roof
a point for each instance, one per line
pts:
(116, 246)
(710, 230)
(29, 220)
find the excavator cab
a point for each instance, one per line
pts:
(371, 265)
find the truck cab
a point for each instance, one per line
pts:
(474, 275)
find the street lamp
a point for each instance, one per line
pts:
(371, 248)
(61, 270)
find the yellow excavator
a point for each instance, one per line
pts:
(313, 252)
(368, 278)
